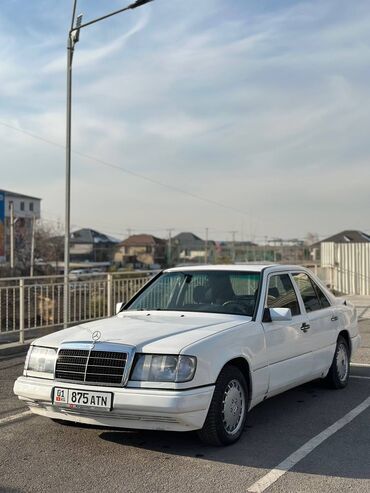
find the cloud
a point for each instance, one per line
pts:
(263, 106)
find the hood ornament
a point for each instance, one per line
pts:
(96, 335)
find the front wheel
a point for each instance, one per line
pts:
(228, 409)
(338, 375)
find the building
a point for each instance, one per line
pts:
(345, 262)
(26, 209)
(238, 251)
(350, 236)
(142, 251)
(88, 245)
(189, 248)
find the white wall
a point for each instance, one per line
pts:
(348, 265)
(18, 212)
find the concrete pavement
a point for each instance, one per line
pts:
(38, 455)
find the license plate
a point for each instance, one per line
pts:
(77, 399)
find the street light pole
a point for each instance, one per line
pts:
(73, 38)
(12, 222)
(67, 227)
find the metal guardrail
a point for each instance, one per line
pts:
(33, 303)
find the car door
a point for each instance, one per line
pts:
(321, 319)
(288, 345)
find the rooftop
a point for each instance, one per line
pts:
(142, 240)
(87, 235)
(191, 241)
(237, 268)
(20, 195)
(347, 236)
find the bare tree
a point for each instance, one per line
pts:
(311, 238)
(49, 248)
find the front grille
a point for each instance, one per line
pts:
(83, 365)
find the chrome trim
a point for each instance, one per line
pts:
(95, 413)
(99, 346)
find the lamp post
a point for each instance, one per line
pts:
(73, 38)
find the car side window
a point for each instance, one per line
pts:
(308, 292)
(323, 299)
(281, 294)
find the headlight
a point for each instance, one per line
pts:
(164, 368)
(40, 360)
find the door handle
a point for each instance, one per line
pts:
(334, 318)
(305, 327)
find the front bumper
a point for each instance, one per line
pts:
(149, 409)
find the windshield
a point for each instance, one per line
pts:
(209, 291)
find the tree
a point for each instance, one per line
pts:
(311, 238)
(49, 246)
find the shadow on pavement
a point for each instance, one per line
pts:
(274, 430)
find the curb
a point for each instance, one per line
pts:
(14, 348)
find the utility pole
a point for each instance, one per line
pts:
(129, 231)
(11, 205)
(206, 247)
(169, 252)
(265, 250)
(233, 233)
(32, 246)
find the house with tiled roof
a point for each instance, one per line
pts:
(142, 250)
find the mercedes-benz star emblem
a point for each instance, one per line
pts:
(96, 335)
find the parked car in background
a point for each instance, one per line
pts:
(195, 349)
(77, 274)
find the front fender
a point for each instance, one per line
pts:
(246, 341)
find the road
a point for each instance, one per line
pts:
(38, 455)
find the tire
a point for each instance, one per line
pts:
(227, 413)
(338, 375)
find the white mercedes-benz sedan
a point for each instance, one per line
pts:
(195, 349)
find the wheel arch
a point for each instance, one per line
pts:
(347, 338)
(242, 364)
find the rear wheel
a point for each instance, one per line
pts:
(228, 410)
(338, 375)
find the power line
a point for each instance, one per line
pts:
(125, 170)
(146, 178)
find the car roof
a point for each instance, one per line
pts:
(238, 268)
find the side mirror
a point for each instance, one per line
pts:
(118, 307)
(280, 314)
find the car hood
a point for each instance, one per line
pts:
(158, 332)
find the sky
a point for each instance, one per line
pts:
(234, 115)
